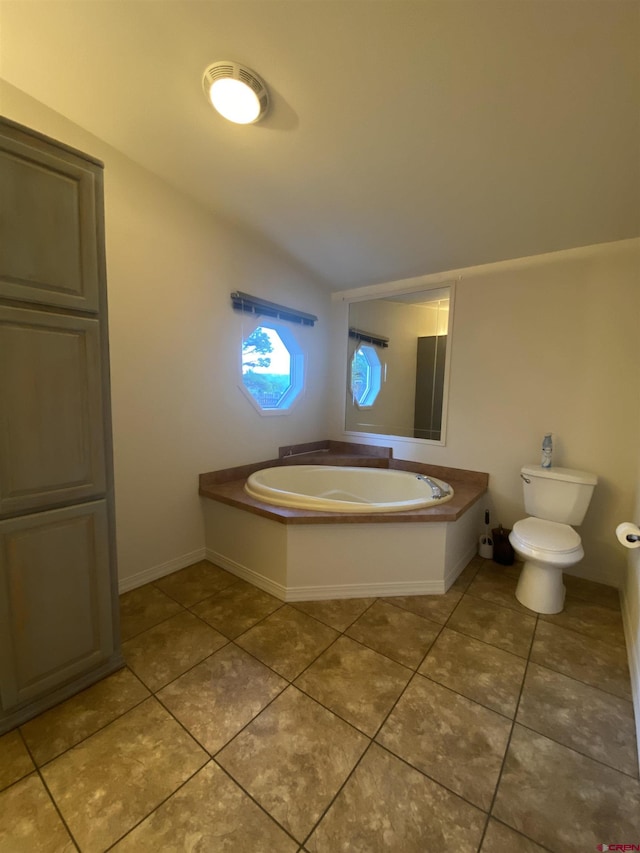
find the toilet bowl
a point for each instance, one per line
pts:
(555, 498)
(547, 548)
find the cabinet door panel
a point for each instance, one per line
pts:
(51, 429)
(49, 247)
(56, 614)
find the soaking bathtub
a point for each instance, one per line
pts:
(302, 553)
(333, 488)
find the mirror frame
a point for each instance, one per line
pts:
(390, 289)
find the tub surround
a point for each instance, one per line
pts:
(227, 485)
(299, 554)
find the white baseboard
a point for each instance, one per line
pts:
(364, 590)
(246, 574)
(155, 572)
(457, 569)
(632, 638)
(318, 593)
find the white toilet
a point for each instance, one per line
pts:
(554, 498)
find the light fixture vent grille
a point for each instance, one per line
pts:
(217, 71)
(235, 71)
(251, 80)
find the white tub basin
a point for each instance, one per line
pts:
(344, 489)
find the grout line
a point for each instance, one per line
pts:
(337, 793)
(606, 642)
(435, 781)
(581, 681)
(506, 752)
(517, 832)
(234, 781)
(464, 696)
(94, 732)
(155, 809)
(577, 751)
(37, 771)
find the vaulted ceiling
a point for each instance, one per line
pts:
(404, 138)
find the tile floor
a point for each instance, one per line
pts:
(459, 722)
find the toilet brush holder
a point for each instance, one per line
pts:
(485, 545)
(485, 548)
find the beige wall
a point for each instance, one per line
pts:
(175, 350)
(545, 344)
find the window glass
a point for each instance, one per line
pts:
(272, 367)
(365, 375)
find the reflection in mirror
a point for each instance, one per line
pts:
(397, 363)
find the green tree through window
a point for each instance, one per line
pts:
(255, 349)
(267, 368)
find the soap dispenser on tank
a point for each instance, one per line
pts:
(547, 450)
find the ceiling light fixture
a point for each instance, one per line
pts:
(236, 92)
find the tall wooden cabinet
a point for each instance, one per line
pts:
(59, 629)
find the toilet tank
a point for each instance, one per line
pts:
(557, 494)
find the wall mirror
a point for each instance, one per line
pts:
(398, 358)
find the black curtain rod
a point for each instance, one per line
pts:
(254, 305)
(369, 337)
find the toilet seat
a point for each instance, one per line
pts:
(547, 541)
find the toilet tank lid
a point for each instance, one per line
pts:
(569, 475)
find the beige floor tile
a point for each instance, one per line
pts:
(597, 593)
(195, 583)
(336, 614)
(499, 626)
(388, 806)
(512, 571)
(143, 608)
(356, 683)
(597, 663)
(219, 696)
(437, 608)
(15, 761)
(287, 641)
(293, 758)
(209, 814)
(29, 822)
(586, 719)
(591, 619)
(481, 672)
(450, 738)
(394, 632)
(500, 839)
(168, 650)
(467, 574)
(108, 783)
(54, 731)
(563, 800)
(237, 608)
(492, 583)
(121, 768)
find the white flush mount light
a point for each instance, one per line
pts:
(236, 92)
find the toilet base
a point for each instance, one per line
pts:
(540, 588)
